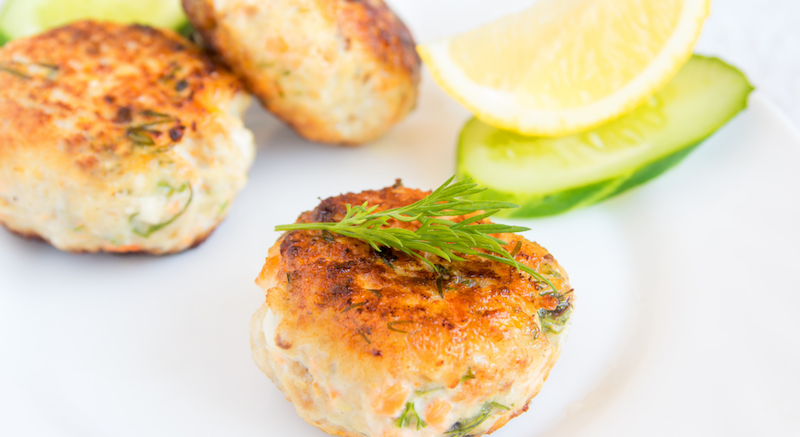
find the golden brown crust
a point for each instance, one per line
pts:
(27, 235)
(343, 75)
(120, 104)
(379, 29)
(331, 278)
(473, 328)
(118, 138)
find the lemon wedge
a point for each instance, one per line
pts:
(563, 66)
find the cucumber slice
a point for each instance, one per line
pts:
(22, 18)
(547, 176)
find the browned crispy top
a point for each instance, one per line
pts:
(102, 97)
(377, 26)
(396, 312)
(370, 22)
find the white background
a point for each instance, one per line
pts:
(687, 287)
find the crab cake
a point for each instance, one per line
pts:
(337, 71)
(378, 344)
(118, 138)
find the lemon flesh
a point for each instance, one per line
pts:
(21, 18)
(563, 66)
(548, 176)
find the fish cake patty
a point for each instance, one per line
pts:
(379, 344)
(118, 138)
(337, 71)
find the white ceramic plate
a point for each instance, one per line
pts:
(687, 298)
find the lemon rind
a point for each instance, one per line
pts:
(503, 110)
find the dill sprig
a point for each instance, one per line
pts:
(409, 415)
(146, 230)
(462, 429)
(13, 71)
(142, 134)
(391, 325)
(436, 235)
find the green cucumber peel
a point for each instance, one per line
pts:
(23, 18)
(548, 176)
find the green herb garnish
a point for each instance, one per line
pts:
(554, 321)
(408, 415)
(52, 70)
(30, 69)
(468, 282)
(517, 247)
(149, 113)
(391, 326)
(140, 135)
(468, 376)
(424, 392)
(439, 285)
(462, 429)
(222, 207)
(13, 71)
(149, 230)
(436, 235)
(355, 305)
